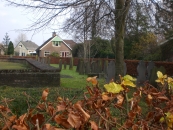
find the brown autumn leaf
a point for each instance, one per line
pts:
(9, 122)
(41, 106)
(49, 127)
(99, 103)
(138, 110)
(61, 106)
(162, 98)
(132, 115)
(39, 117)
(149, 99)
(74, 119)
(85, 115)
(21, 119)
(51, 110)
(62, 120)
(93, 125)
(90, 91)
(135, 127)
(105, 97)
(108, 113)
(120, 99)
(117, 106)
(45, 94)
(3, 108)
(93, 80)
(156, 94)
(128, 123)
(20, 127)
(20, 124)
(149, 116)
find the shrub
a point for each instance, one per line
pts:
(101, 108)
(54, 54)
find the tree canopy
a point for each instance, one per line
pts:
(10, 50)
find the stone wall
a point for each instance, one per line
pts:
(30, 79)
(40, 75)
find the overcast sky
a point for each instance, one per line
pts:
(13, 18)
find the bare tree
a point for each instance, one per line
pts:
(112, 15)
(20, 37)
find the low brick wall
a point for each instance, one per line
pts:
(30, 79)
(40, 75)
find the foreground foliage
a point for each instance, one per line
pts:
(108, 108)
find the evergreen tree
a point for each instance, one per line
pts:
(10, 48)
(6, 41)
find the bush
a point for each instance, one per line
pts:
(54, 54)
(108, 108)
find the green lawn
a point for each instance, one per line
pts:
(77, 81)
(12, 65)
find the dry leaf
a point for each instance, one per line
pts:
(93, 125)
(45, 94)
(85, 115)
(93, 80)
(39, 117)
(74, 120)
(9, 122)
(62, 120)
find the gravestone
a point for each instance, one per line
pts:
(38, 59)
(48, 62)
(99, 66)
(153, 76)
(125, 69)
(65, 65)
(141, 69)
(162, 69)
(81, 68)
(110, 71)
(87, 67)
(149, 69)
(71, 64)
(93, 65)
(42, 60)
(105, 67)
(60, 64)
(78, 65)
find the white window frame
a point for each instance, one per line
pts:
(46, 53)
(67, 54)
(56, 43)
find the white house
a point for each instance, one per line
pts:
(24, 48)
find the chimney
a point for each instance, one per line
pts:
(53, 34)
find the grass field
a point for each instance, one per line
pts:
(12, 65)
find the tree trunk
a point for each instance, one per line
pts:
(122, 8)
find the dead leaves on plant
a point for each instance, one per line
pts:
(98, 109)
